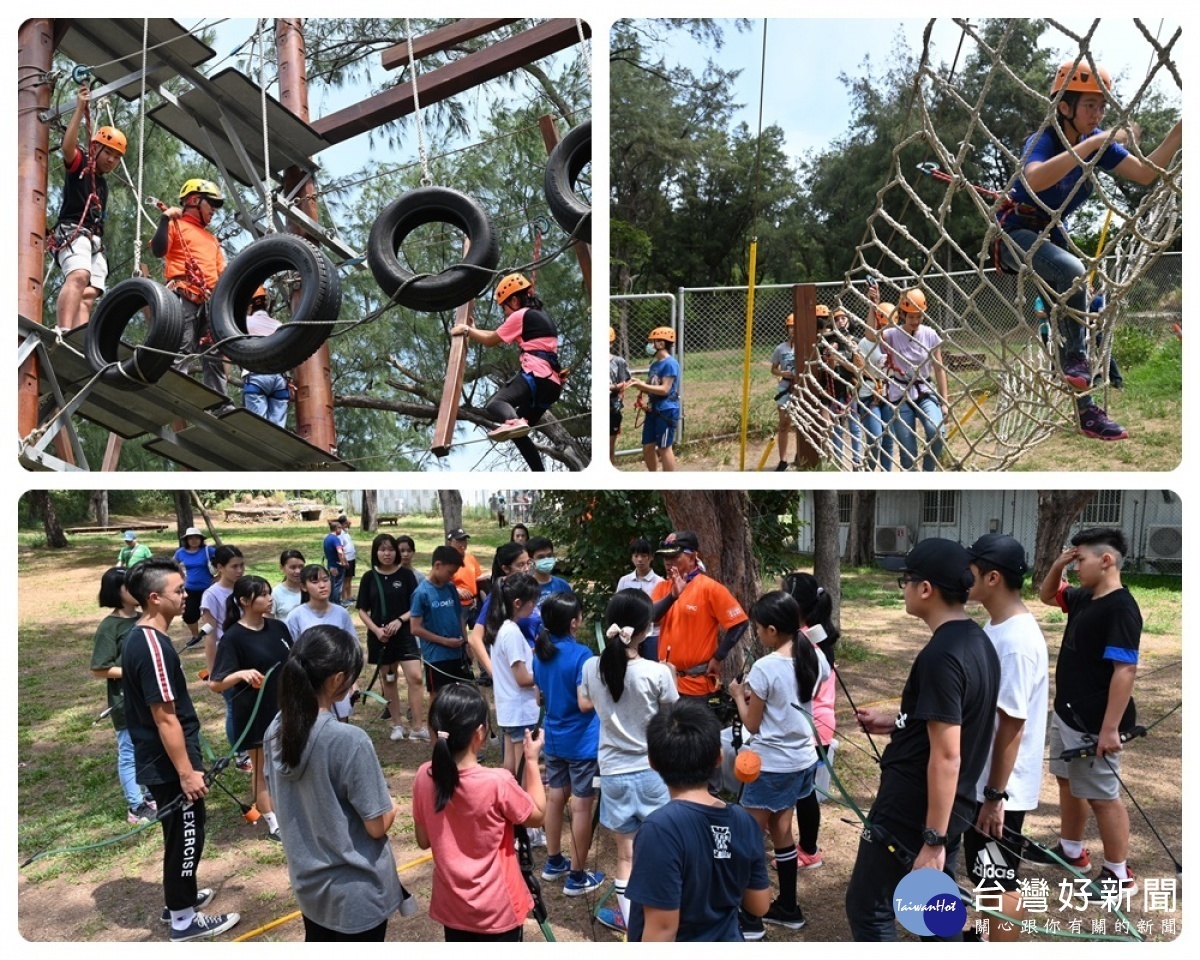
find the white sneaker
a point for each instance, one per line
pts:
(537, 837)
(397, 733)
(419, 733)
(203, 925)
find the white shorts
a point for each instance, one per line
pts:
(85, 252)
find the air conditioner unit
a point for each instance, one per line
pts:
(1164, 542)
(892, 540)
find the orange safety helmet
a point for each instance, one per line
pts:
(260, 294)
(112, 138)
(513, 283)
(1078, 77)
(662, 333)
(822, 310)
(912, 301)
(884, 313)
(791, 320)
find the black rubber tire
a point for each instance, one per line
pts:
(107, 325)
(292, 343)
(567, 160)
(451, 287)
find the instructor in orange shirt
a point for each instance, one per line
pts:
(690, 608)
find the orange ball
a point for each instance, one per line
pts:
(748, 766)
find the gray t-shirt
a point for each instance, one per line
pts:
(304, 616)
(648, 687)
(784, 740)
(343, 878)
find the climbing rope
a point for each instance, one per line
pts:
(426, 177)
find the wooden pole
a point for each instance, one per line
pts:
(583, 251)
(443, 432)
(804, 310)
(314, 385)
(207, 519)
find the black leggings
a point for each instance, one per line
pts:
(514, 400)
(515, 935)
(315, 933)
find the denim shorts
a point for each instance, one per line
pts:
(579, 775)
(517, 733)
(627, 799)
(779, 791)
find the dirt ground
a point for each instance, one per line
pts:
(114, 895)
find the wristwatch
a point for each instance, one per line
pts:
(991, 793)
(932, 838)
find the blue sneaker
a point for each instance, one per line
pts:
(608, 917)
(1077, 373)
(583, 882)
(556, 868)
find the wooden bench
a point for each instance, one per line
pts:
(391, 520)
(147, 527)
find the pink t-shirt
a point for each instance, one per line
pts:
(824, 708)
(477, 883)
(512, 328)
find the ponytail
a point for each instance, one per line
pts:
(514, 587)
(627, 618)
(457, 711)
(320, 653)
(816, 610)
(780, 610)
(245, 588)
(558, 613)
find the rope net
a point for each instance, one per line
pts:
(1004, 386)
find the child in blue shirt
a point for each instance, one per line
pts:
(437, 620)
(662, 386)
(572, 742)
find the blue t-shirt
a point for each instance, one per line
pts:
(330, 545)
(1043, 147)
(440, 613)
(195, 565)
(660, 370)
(555, 585)
(698, 860)
(570, 733)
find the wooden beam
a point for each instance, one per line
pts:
(447, 419)
(583, 251)
(112, 453)
(441, 39)
(444, 82)
(804, 333)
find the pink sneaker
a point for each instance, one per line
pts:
(808, 861)
(511, 430)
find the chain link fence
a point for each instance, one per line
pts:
(985, 338)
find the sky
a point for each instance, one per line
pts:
(804, 96)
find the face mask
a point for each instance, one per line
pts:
(545, 565)
(650, 350)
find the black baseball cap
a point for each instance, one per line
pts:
(458, 533)
(1002, 551)
(942, 562)
(678, 542)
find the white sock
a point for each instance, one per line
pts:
(1119, 870)
(622, 900)
(1072, 848)
(182, 919)
(272, 822)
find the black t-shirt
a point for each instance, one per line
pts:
(1101, 632)
(955, 679)
(78, 184)
(152, 673)
(244, 649)
(392, 601)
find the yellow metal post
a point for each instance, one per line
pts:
(746, 352)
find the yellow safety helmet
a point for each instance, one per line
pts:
(791, 320)
(205, 188)
(662, 333)
(1080, 78)
(912, 301)
(822, 310)
(513, 283)
(112, 138)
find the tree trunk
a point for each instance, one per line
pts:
(43, 504)
(860, 538)
(721, 521)
(369, 518)
(98, 507)
(827, 560)
(1057, 510)
(451, 503)
(184, 517)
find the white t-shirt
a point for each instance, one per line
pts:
(648, 687)
(1024, 694)
(348, 550)
(784, 740)
(910, 358)
(873, 358)
(631, 581)
(516, 706)
(286, 600)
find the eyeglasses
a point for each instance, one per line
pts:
(902, 582)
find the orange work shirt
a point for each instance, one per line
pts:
(688, 631)
(187, 239)
(467, 575)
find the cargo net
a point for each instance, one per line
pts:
(934, 228)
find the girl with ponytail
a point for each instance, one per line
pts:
(252, 645)
(333, 801)
(512, 664)
(465, 813)
(767, 703)
(626, 691)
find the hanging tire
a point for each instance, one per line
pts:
(292, 343)
(109, 321)
(567, 160)
(451, 287)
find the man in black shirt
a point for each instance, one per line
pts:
(1093, 700)
(939, 741)
(166, 744)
